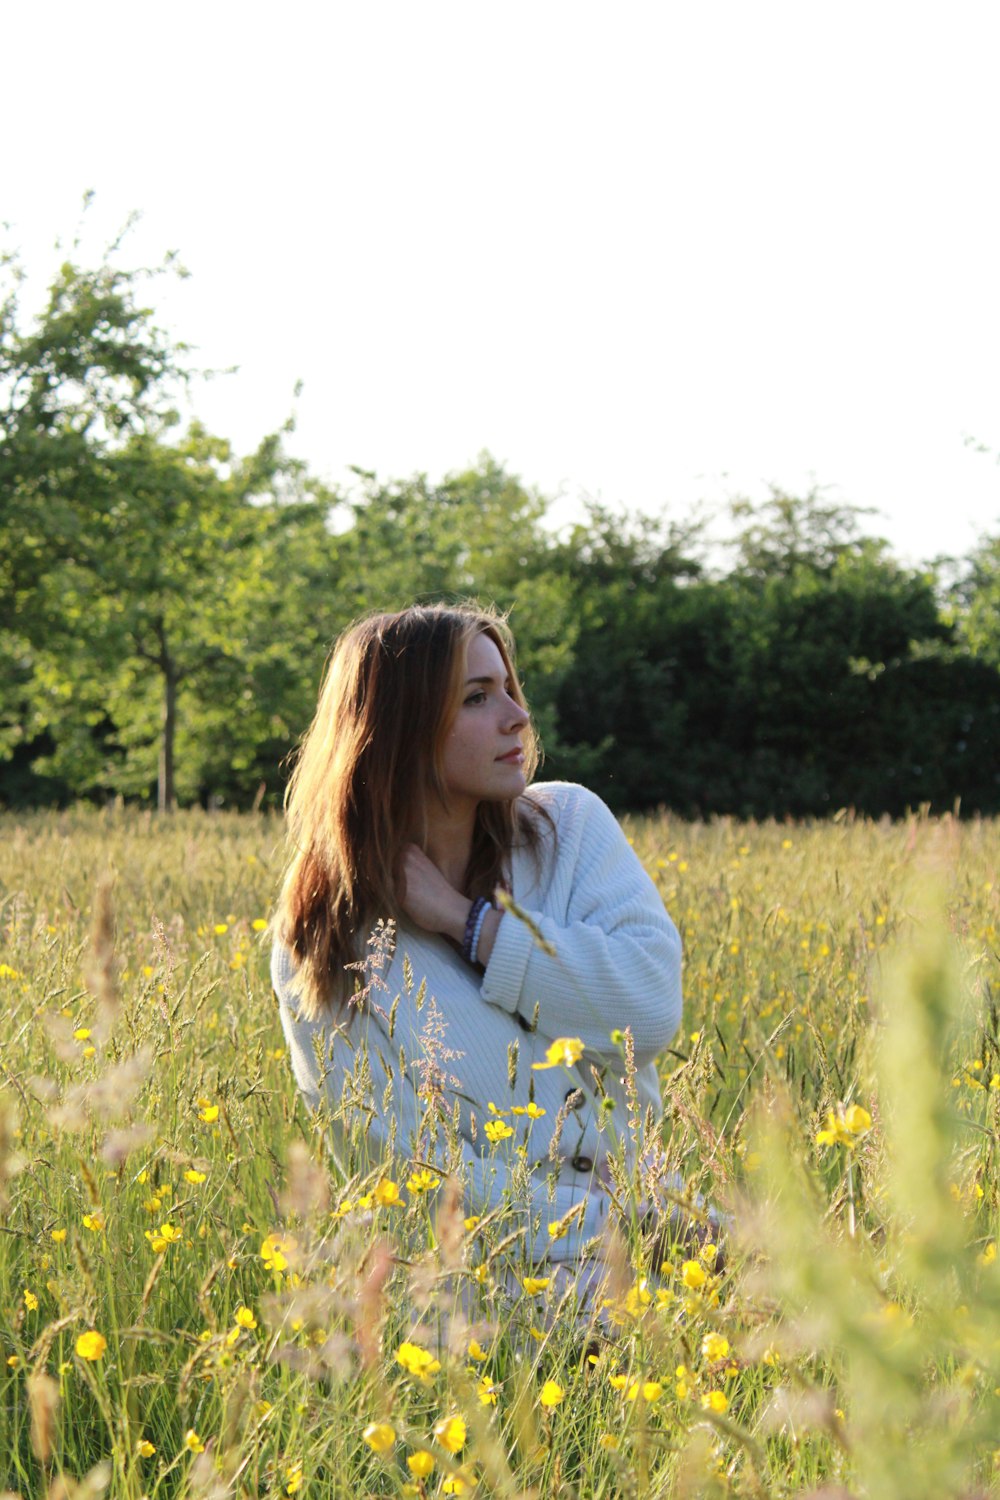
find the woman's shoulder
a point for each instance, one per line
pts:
(569, 808)
(559, 798)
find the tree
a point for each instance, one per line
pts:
(135, 571)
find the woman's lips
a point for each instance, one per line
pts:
(513, 756)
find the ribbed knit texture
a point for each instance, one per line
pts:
(617, 964)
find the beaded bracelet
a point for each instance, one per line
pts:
(473, 928)
(477, 934)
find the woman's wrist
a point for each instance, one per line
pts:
(488, 935)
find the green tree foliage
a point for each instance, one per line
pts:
(166, 606)
(157, 597)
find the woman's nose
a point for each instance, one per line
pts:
(517, 717)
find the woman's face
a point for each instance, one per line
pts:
(482, 759)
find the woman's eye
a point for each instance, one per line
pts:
(478, 697)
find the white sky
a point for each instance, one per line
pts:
(654, 253)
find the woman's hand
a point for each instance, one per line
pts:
(428, 899)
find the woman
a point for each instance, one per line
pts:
(411, 804)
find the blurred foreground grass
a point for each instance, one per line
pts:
(193, 1302)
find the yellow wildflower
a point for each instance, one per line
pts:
(30, 1301)
(168, 1234)
(714, 1347)
(194, 1176)
(551, 1394)
(715, 1401)
(144, 1448)
(487, 1392)
(844, 1125)
(274, 1251)
(91, 1345)
(454, 1485)
(416, 1361)
(259, 924)
(293, 1478)
(563, 1053)
(59, 1235)
(379, 1436)
(422, 1181)
(608, 1441)
(421, 1463)
(209, 1113)
(193, 1442)
(387, 1193)
(497, 1130)
(244, 1317)
(94, 1222)
(693, 1274)
(470, 1223)
(476, 1350)
(450, 1433)
(535, 1284)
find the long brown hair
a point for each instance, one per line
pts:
(360, 787)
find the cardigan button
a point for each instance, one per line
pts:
(582, 1164)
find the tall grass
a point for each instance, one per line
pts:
(194, 1301)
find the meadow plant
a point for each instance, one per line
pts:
(197, 1299)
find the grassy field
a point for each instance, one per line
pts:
(194, 1302)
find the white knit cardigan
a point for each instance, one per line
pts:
(616, 964)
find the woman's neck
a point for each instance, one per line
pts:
(449, 842)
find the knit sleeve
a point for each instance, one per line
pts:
(616, 958)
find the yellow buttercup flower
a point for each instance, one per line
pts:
(30, 1301)
(274, 1251)
(476, 1350)
(416, 1361)
(58, 1235)
(714, 1347)
(244, 1317)
(209, 1113)
(551, 1394)
(379, 1436)
(450, 1433)
(497, 1130)
(487, 1392)
(715, 1401)
(843, 1126)
(422, 1181)
(387, 1193)
(563, 1053)
(693, 1275)
(193, 1442)
(91, 1345)
(144, 1448)
(94, 1222)
(535, 1284)
(168, 1234)
(421, 1463)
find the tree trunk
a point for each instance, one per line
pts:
(165, 779)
